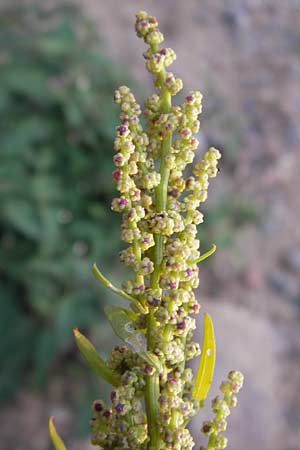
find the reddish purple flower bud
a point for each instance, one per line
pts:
(173, 192)
(118, 159)
(189, 272)
(153, 301)
(172, 380)
(152, 20)
(106, 413)
(181, 325)
(189, 98)
(172, 284)
(113, 396)
(121, 129)
(206, 428)
(148, 370)
(136, 194)
(140, 287)
(123, 201)
(163, 51)
(116, 175)
(98, 406)
(185, 132)
(195, 308)
(120, 407)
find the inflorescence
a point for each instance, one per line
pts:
(159, 200)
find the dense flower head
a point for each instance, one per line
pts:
(159, 199)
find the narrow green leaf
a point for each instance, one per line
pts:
(121, 321)
(122, 324)
(206, 367)
(99, 275)
(205, 255)
(55, 438)
(93, 359)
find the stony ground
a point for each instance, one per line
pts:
(243, 55)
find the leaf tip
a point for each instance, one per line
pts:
(51, 422)
(55, 438)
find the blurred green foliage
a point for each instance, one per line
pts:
(56, 128)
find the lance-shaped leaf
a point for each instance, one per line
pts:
(99, 275)
(207, 361)
(93, 359)
(121, 321)
(55, 438)
(205, 255)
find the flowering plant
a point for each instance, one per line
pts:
(154, 394)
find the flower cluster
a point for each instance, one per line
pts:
(123, 424)
(160, 217)
(176, 407)
(160, 202)
(221, 408)
(159, 198)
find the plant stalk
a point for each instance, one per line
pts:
(152, 383)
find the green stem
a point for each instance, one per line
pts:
(139, 279)
(152, 395)
(152, 384)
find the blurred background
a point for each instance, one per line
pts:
(60, 64)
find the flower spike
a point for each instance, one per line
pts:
(154, 393)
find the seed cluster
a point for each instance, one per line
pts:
(159, 200)
(221, 408)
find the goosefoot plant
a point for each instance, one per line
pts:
(154, 394)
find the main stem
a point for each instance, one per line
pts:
(152, 383)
